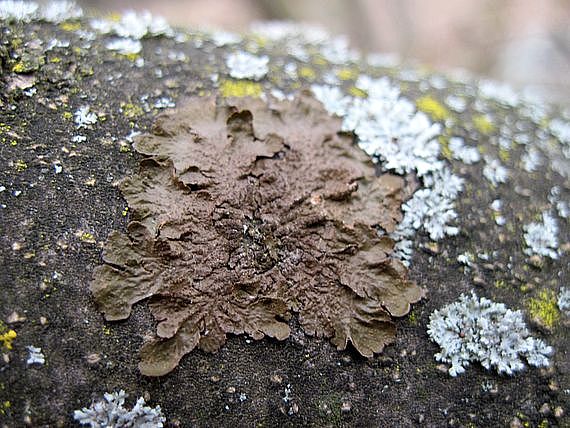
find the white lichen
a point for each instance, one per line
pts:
(134, 25)
(500, 92)
(542, 238)
(465, 259)
(462, 152)
(531, 160)
(59, 11)
(15, 10)
(494, 171)
(35, 356)
(561, 205)
(125, 46)
(497, 206)
(110, 412)
(224, 38)
(243, 65)
(402, 140)
(478, 329)
(84, 118)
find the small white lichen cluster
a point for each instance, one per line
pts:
(404, 140)
(224, 38)
(25, 11)
(494, 171)
(564, 300)
(500, 92)
(124, 46)
(542, 238)
(460, 151)
(110, 412)
(561, 205)
(132, 27)
(244, 65)
(497, 206)
(84, 118)
(35, 356)
(474, 329)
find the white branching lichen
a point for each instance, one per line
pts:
(244, 65)
(110, 412)
(542, 238)
(403, 140)
(478, 329)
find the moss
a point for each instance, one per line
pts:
(433, 108)
(240, 88)
(544, 309)
(484, 125)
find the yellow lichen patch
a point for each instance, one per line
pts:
(357, 92)
(5, 406)
(444, 146)
(347, 74)
(544, 309)
(85, 236)
(240, 88)
(20, 165)
(433, 108)
(70, 26)
(483, 124)
(19, 67)
(6, 336)
(131, 110)
(307, 73)
(67, 115)
(319, 60)
(504, 155)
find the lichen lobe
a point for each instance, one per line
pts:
(244, 213)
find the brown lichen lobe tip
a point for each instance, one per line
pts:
(243, 213)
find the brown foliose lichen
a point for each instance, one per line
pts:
(244, 212)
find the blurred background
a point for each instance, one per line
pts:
(523, 42)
